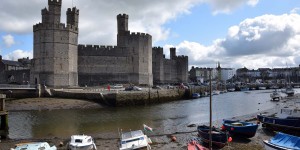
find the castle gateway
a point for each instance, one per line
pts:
(60, 62)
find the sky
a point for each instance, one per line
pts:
(237, 33)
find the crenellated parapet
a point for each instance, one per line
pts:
(101, 50)
(74, 10)
(61, 26)
(140, 35)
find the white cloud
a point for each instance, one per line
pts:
(97, 19)
(227, 6)
(295, 10)
(264, 41)
(8, 40)
(17, 54)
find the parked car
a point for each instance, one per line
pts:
(133, 88)
(156, 87)
(117, 86)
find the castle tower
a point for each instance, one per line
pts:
(123, 31)
(172, 53)
(53, 14)
(55, 48)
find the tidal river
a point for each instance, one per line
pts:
(164, 118)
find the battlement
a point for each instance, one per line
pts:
(122, 16)
(96, 47)
(157, 48)
(54, 2)
(74, 10)
(139, 34)
(61, 26)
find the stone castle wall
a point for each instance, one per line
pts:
(173, 70)
(128, 62)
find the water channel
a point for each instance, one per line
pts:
(164, 118)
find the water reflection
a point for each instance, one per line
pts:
(167, 118)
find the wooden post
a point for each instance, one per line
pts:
(3, 117)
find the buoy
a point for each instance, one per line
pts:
(173, 138)
(223, 128)
(229, 139)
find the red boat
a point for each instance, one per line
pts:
(194, 145)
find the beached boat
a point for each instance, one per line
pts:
(219, 138)
(244, 89)
(34, 146)
(239, 128)
(262, 88)
(231, 89)
(286, 120)
(196, 95)
(134, 140)
(282, 141)
(289, 91)
(81, 142)
(194, 145)
(275, 95)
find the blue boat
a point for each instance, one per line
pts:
(283, 141)
(237, 128)
(287, 120)
(196, 95)
(219, 138)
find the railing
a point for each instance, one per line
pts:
(12, 86)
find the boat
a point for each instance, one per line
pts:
(34, 146)
(286, 120)
(196, 95)
(282, 141)
(231, 89)
(275, 95)
(219, 138)
(134, 140)
(289, 91)
(216, 92)
(194, 145)
(239, 128)
(81, 142)
(262, 88)
(244, 89)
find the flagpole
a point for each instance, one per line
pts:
(210, 112)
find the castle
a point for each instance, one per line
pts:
(59, 61)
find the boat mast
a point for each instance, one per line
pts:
(210, 112)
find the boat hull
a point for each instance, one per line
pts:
(86, 147)
(247, 130)
(219, 138)
(270, 146)
(288, 125)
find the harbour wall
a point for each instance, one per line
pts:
(124, 98)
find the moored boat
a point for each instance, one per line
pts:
(286, 120)
(275, 95)
(135, 140)
(219, 138)
(239, 128)
(196, 95)
(81, 142)
(289, 91)
(34, 146)
(283, 141)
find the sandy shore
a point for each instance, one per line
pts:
(110, 141)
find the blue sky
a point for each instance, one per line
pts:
(237, 33)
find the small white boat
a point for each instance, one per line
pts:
(275, 95)
(262, 88)
(34, 146)
(134, 140)
(231, 89)
(82, 142)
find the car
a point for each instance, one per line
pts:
(135, 88)
(156, 87)
(117, 86)
(129, 88)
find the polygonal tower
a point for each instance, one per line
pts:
(55, 48)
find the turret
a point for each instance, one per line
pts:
(53, 14)
(172, 53)
(122, 23)
(73, 16)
